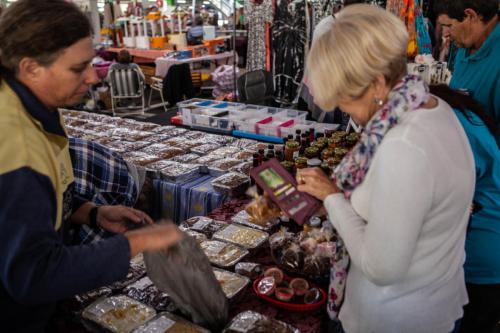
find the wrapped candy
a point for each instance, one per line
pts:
(261, 209)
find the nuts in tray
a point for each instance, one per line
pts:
(140, 158)
(158, 165)
(169, 323)
(205, 160)
(243, 168)
(222, 165)
(243, 143)
(227, 151)
(186, 158)
(203, 224)
(135, 145)
(177, 172)
(244, 155)
(248, 238)
(231, 283)
(163, 129)
(231, 183)
(162, 150)
(205, 148)
(193, 135)
(119, 314)
(254, 322)
(222, 254)
(158, 138)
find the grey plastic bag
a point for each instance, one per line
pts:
(185, 274)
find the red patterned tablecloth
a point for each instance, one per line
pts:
(306, 322)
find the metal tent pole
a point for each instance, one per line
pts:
(235, 91)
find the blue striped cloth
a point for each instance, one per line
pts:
(195, 197)
(101, 176)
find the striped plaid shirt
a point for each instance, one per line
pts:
(101, 176)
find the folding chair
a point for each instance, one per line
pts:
(126, 83)
(157, 85)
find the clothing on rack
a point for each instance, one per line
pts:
(256, 16)
(289, 37)
(177, 84)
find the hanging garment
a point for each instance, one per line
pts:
(177, 84)
(289, 42)
(256, 17)
(322, 9)
(395, 7)
(423, 37)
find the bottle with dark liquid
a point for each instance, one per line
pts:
(311, 135)
(298, 135)
(261, 156)
(270, 151)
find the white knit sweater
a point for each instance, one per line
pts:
(405, 228)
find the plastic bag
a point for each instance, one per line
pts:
(185, 274)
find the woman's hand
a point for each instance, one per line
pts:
(153, 238)
(316, 183)
(117, 219)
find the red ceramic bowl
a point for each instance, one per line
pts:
(291, 305)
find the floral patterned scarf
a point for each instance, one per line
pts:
(408, 95)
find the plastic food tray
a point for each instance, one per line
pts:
(248, 238)
(178, 172)
(232, 284)
(227, 151)
(168, 323)
(186, 158)
(203, 224)
(163, 129)
(119, 314)
(272, 126)
(231, 184)
(222, 166)
(205, 149)
(163, 150)
(242, 218)
(250, 321)
(223, 254)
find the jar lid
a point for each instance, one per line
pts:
(314, 162)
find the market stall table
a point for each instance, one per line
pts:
(141, 56)
(163, 64)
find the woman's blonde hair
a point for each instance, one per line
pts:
(362, 43)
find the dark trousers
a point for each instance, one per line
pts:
(482, 314)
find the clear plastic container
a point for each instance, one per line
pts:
(248, 123)
(273, 126)
(297, 115)
(119, 314)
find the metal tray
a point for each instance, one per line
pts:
(223, 254)
(178, 172)
(168, 323)
(118, 314)
(232, 284)
(243, 218)
(246, 237)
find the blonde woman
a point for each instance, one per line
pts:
(401, 197)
